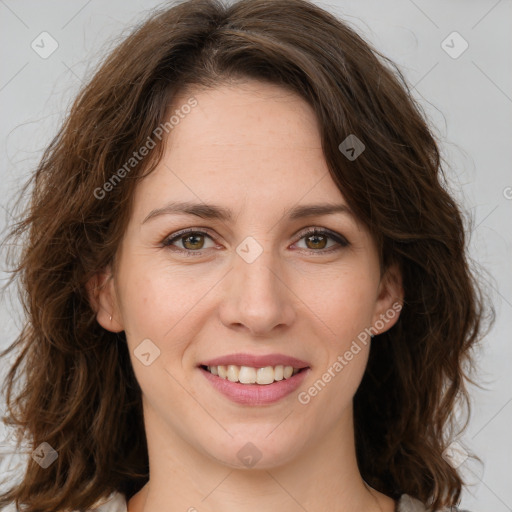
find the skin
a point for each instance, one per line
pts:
(254, 148)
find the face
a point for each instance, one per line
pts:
(253, 288)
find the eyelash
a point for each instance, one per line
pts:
(342, 241)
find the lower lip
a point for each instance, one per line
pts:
(256, 394)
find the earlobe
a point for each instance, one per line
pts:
(102, 297)
(390, 300)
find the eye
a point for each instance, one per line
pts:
(316, 240)
(192, 241)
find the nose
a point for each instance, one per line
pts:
(257, 296)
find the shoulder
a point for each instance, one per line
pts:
(407, 503)
(115, 502)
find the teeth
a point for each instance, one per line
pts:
(249, 375)
(233, 372)
(265, 375)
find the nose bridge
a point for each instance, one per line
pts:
(258, 266)
(258, 298)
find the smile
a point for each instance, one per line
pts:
(267, 385)
(250, 375)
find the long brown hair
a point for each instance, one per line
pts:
(78, 390)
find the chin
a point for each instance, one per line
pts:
(256, 450)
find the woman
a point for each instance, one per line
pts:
(245, 285)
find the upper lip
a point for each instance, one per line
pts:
(256, 361)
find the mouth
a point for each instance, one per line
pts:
(251, 386)
(252, 375)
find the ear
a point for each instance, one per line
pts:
(103, 300)
(389, 300)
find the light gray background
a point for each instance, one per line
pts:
(468, 100)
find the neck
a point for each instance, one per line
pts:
(324, 476)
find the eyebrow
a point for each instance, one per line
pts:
(212, 211)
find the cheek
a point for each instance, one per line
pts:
(344, 300)
(351, 315)
(347, 314)
(141, 300)
(155, 314)
(161, 302)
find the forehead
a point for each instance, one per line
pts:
(252, 142)
(248, 116)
